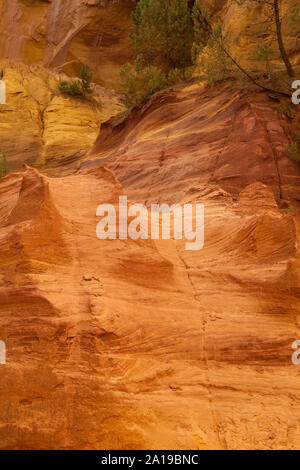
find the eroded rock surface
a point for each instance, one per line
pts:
(194, 136)
(64, 34)
(141, 344)
(123, 344)
(42, 127)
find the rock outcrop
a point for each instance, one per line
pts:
(42, 127)
(247, 35)
(64, 34)
(194, 136)
(123, 344)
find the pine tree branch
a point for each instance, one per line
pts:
(283, 93)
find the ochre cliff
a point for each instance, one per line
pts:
(251, 25)
(122, 344)
(54, 132)
(64, 34)
(193, 136)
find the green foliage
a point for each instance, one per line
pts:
(3, 165)
(293, 150)
(288, 210)
(140, 83)
(163, 33)
(78, 88)
(162, 43)
(86, 79)
(202, 29)
(295, 16)
(265, 53)
(179, 75)
(72, 89)
(215, 63)
(272, 11)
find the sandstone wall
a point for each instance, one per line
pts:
(66, 34)
(42, 127)
(72, 32)
(123, 344)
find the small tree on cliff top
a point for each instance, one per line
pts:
(80, 87)
(274, 19)
(218, 43)
(162, 43)
(202, 29)
(163, 33)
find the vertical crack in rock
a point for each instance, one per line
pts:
(222, 443)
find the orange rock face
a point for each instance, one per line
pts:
(194, 136)
(123, 344)
(64, 34)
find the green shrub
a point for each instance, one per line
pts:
(163, 33)
(264, 54)
(293, 150)
(295, 16)
(162, 46)
(72, 89)
(288, 210)
(202, 30)
(140, 83)
(80, 87)
(215, 63)
(178, 75)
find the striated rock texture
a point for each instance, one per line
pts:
(139, 344)
(193, 136)
(123, 344)
(54, 132)
(65, 34)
